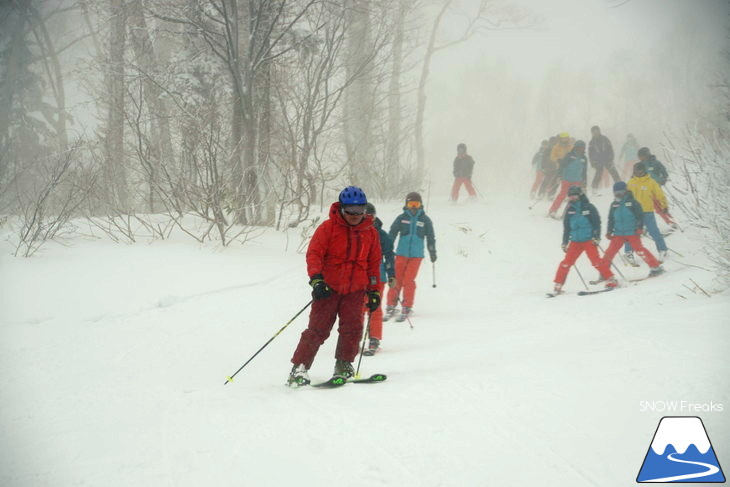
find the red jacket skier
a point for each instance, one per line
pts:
(343, 262)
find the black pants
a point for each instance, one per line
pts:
(599, 174)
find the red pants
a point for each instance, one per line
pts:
(635, 241)
(457, 186)
(564, 186)
(574, 251)
(406, 270)
(665, 216)
(539, 176)
(322, 317)
(376, 318)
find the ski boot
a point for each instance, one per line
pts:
(611, 283)
(404, 314)
(631, 259)
(655, 271)
(343, 369)
(389, 312)
(553, 215)
(373, 347)
(662, 256)
(298, 376)
(597, 281)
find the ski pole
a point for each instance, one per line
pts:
(581, 277)
(230, 378)
(362, 349)
(433, 267)
(614, 265)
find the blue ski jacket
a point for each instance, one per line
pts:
(412, 230)
(625, 217)
(581, 222)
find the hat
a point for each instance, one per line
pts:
(575, 191)
(619, 186)
(564, 135)
(640, 168)
(579, 143)
(644, 152)
(461, 146)
(370, 209)
(595, 127)
(413, 196)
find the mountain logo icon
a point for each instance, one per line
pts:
(680, 452)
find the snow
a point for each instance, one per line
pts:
(113, 359)
(680, 432)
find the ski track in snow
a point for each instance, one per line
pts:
(495, 385)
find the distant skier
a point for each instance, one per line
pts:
(563, 144)
(387, 274)
(658, 173)
(572, 173)
(463, 169)
(550, 169)
(537, 167)
(410, 228)
(627, 156)
(343, 262)
(581, 233)
(646, 190)
(625, 224)
(600, 153)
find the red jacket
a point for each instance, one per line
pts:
(347, 257)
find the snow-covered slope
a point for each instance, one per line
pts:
(113, 359)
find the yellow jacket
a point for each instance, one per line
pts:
(645, 191)
(559, 151)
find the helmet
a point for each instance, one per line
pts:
(413, 196)
(575, 191)
(619, 186)
(352, 195)
(644, 152)
(564, 135)
(640, 169)
(370, 209)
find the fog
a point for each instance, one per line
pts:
(641, 67)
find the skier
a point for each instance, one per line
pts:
(645, 191)
(550, 169)
(581, 233)
(600, 153)
(628, 155)
(537, 167)
(387, 274)
(343, 262)
(463, 168)
(413, 225)
(625, 224)
(572, 173)
(563, 145)
(658, 173)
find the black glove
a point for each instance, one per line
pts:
(373, 300)
(596, 241)
(391, 281)
(433, 255)
(320, 289)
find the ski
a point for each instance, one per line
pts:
(552, 295)
(331, 383)
(369, 380)
(369, 352)
(588, 293)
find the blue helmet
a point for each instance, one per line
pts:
(352, 195)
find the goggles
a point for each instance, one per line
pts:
(354, 210)
(413, 204)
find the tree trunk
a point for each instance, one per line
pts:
(392, 160)
(115, 169)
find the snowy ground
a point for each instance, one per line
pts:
(113, 358)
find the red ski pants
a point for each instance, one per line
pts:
(635, 241)
(539, 177)
(572, 254)
(665, 216)
(376, 318)
(321, 319)
(406, 270)
(457, 187)
(564, 186)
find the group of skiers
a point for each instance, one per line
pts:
(562, 165)
(349, 260)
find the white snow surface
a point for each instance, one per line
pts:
(680, 432)
(113, 359)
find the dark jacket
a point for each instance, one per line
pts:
(656, 170)
(581, 221)
(600, 151)
(413, 229)
(387, 266)
(463, 166)
(625, 217)
(573, 168)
